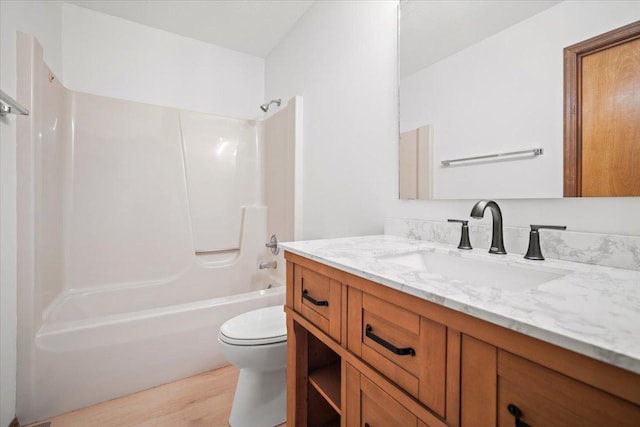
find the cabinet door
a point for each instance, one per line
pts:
(407, 348)
(478, 378)
(547, 398)
(369, 406)
(318, 298)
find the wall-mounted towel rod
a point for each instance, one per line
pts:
(533, 151)
(9, 105)
(216, 251)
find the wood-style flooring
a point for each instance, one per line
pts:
(200, 401)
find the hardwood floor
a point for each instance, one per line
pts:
(200, 401)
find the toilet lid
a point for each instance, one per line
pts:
(263, 326)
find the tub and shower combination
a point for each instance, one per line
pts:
(140, 232)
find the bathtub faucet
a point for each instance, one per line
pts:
(264, 264)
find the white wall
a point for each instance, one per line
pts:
(43, 19)
(341, 57)
(109, 56)
(505, 93)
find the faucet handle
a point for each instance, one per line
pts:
(534, 252)
(272, 244)
(549, 227)
(464, 237)
(461, 221)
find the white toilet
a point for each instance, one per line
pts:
(256, 343)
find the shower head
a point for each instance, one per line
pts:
(265, 107)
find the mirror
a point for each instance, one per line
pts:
(483, 82)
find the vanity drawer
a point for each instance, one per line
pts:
(369, 405)
(318, 298)
(548, 398)
(407, 348)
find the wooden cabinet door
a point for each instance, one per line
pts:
(478, 383)
(547, 398)
(369, 405)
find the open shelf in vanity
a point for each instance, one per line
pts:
(317, 374)
(326, 381)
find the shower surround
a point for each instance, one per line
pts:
(140, 231)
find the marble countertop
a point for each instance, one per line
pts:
(592, 310)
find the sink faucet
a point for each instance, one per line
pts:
(497, 244)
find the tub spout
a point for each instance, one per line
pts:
(270, 264)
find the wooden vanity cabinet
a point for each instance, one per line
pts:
(376, 356)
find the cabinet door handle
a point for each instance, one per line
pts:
(386, 344)
(366, 425)
(517, 413)
(305, 295)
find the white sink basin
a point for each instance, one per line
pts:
(475, 271)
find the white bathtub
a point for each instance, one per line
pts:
(140, 232)
(94, 343)
(87, 360)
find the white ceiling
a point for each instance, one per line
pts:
(432, 30)
(253, 27)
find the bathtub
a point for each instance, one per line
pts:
(129, 259)
(87, 360)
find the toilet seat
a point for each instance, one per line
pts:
(258, 327)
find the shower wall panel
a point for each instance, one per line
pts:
(129, 217)
(44, 144)
(51, 114)
(282, 143)
(279, 171)
(221, 156)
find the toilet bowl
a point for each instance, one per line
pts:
(256, 343)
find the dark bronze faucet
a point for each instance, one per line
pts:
(464, 236)
(497, 244)
(534, 251)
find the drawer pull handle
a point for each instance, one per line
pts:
(517, 413)
(386, 344)
(366, 425)
(305, 295)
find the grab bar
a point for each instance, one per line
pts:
(533, 151)
(8, 105)
(216, 251)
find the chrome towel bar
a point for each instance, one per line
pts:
(533, 151)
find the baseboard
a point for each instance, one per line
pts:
(14, 423)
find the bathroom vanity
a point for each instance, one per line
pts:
(376, 338)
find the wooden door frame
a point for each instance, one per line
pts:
(573, 99)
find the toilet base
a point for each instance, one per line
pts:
(260, 399)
